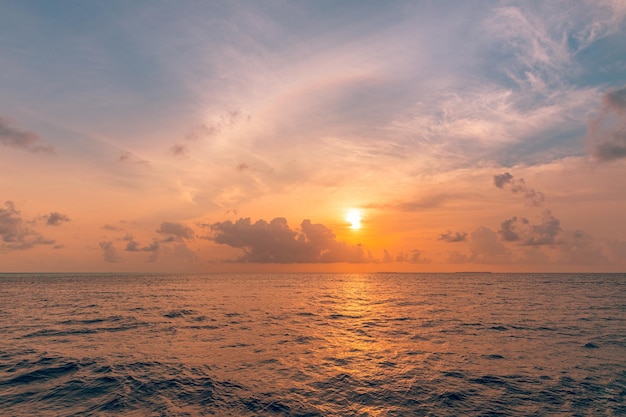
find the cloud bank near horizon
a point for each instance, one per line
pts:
(276, 242)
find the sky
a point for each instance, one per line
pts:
(235, 136)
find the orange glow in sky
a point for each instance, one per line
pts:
(463, 136)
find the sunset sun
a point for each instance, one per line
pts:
(353, 216)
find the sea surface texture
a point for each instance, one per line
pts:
(313, 345)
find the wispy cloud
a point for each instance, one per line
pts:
(130, 158)
(424, 202)
(12, 136)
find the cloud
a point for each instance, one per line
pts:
(518, 186)
(453, 237)
(276, 242)
(182, 252)
(607, 132)
(133, 246)
(520, 230)
(111, 228)
(414, 257)
(427, 201)
(579, 248)
(179, 150)
(486, 248)
(109, 252)
(130, 158)
(616, 99)
(216, 126)
(17, 138)
(536, 245)
(175, 231)
(14, 232)
(55, 219)
(172, 246)
(210, 129)
(501, 179)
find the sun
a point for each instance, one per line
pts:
(353, 216)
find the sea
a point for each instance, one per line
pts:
(383, 344)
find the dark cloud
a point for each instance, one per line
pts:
(518, 186)
(109, 252)
(243, 166)
(15, 233)
(501, 179)
(453, 237)
(154, 246)
(55, 219)
(607, 133)
(616, 100)
(179, 150)
(175, 231)
(521, 230)
(111, 228)
(134, 246)
(612, 146)
(130, 158)
(276, 242)
(17, 138)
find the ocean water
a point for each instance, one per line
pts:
(313, 345)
